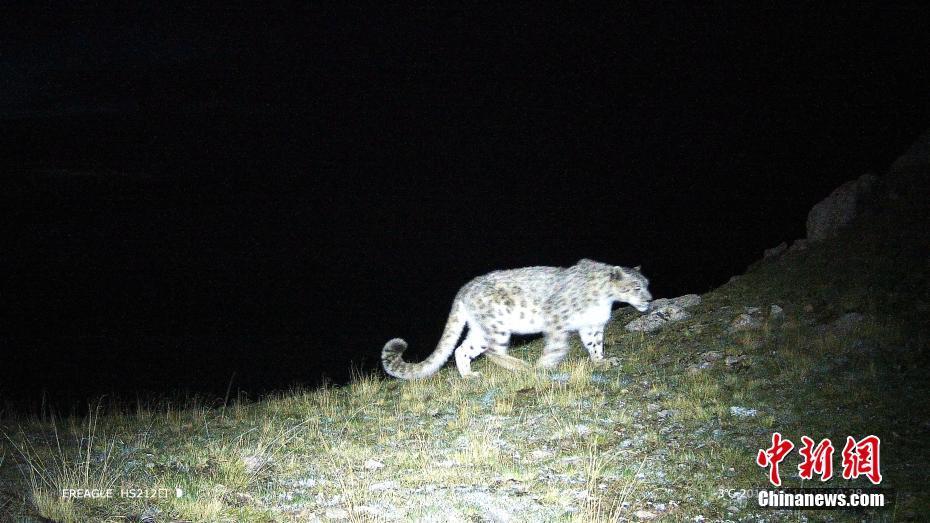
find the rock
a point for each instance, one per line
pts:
(695, 368)
(744, 322)
(541, 454)
(382, 486)
(254, 464)
(776, 312)
(688, 300)
(645, 515)
(373, 464)
(743, 412)
(733, 360)
(712, 355)
(839, 208)
(798, 245)
(775, 251)
(665, 312)
(808, 308)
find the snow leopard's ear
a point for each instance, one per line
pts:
(638, 268)
(586, 261)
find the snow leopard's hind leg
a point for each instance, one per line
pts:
(497, 352)
(555, 349)
(474, 345)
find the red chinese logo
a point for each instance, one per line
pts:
(819, 460)
(860, 458)
(773, 455)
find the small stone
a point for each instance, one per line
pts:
(254, 464)
(744, 322)
(645, 515)
(776, 312)
(372, 464)
(808, 308)
(540, 454)
(743, 412)
(712, 355)
(733, 360)
(695, 368)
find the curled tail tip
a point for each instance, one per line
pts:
(392, 359)
(393, 346)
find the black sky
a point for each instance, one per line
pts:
(273, 193)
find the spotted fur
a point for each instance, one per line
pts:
(552, 300)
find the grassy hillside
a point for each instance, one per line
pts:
(670, 434)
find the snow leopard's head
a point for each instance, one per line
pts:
(631, 286)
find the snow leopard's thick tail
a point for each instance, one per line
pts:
(392, 353)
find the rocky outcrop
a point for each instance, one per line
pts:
(775, 251)
(663, 311)
(840, 208)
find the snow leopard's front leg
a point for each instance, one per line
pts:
(592, 337)
(556, 348)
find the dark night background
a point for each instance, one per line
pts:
(269, 196)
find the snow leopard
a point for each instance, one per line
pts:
(553, 301)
